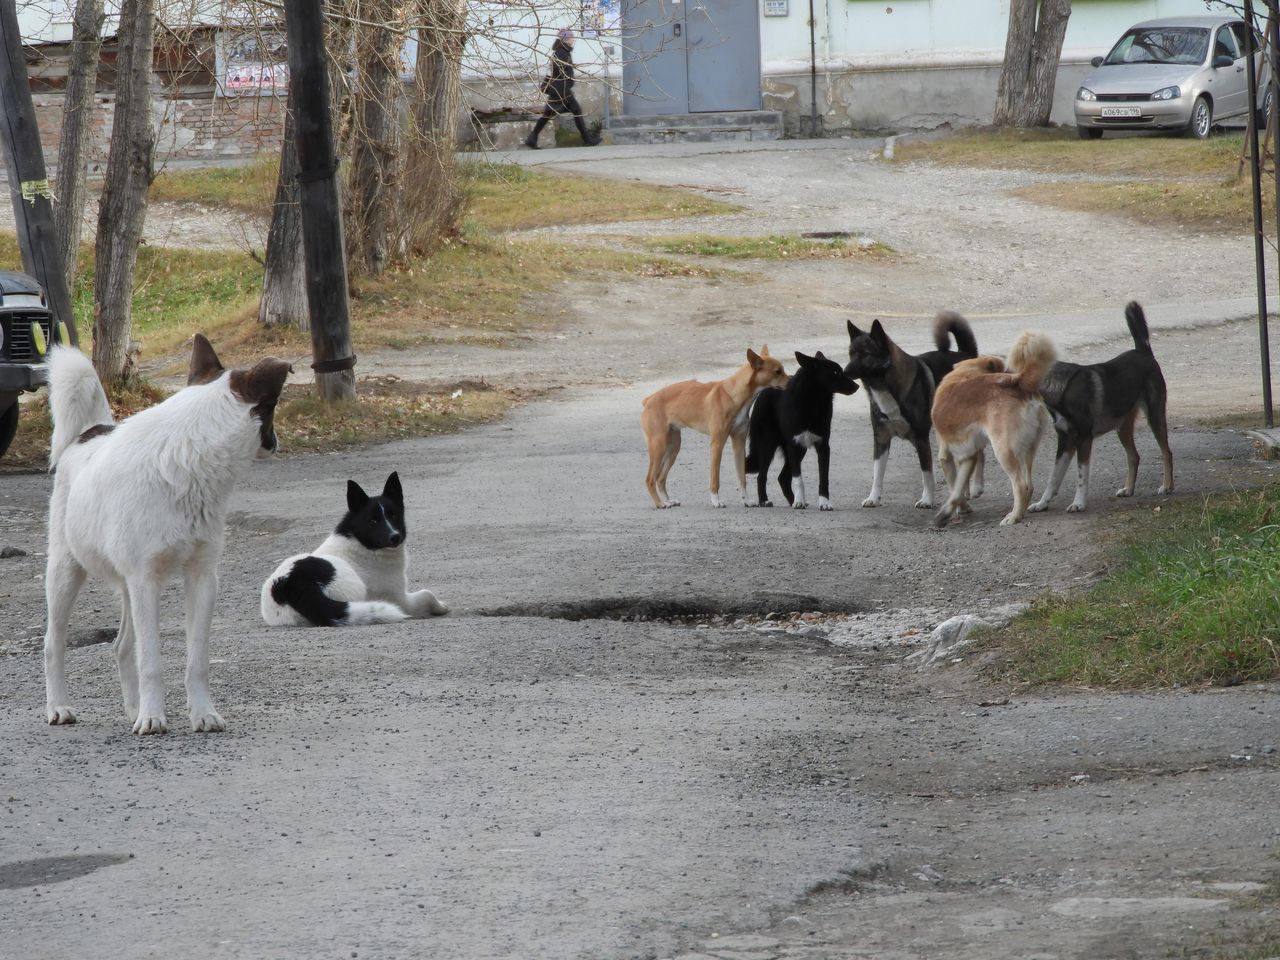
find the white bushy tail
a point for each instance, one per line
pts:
(76, 398)
(363, 612)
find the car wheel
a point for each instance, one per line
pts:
(1264, 110)
(1201, 124)
(1089, 133)
(8, 426)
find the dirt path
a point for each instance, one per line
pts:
(506, 783)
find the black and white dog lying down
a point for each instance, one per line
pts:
(357, 576)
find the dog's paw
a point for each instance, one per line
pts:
(750, 503)
(1010, 519)
(975, 492)
(717, 503)
(1039, 507)
(824, 504)
(766, 503)
(147, 724)
(1075, 507)
(871, 502)
(799, 505)
(59, 716)
(439, 608)
(1163, 491)
(207, 721)
(924, 503)
(1124, 492)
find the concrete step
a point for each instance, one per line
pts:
(698, 127)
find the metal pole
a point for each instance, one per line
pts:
(1255, 170)
(813, 72)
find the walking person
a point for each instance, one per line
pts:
(557, 86)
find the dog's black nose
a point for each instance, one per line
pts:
(396, 539)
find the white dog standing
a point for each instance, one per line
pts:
(142, 501)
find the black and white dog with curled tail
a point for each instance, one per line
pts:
(357, 576)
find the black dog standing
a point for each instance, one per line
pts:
(557, 87)
(796, 418)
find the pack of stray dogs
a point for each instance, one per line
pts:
(144, 501)
(971, 401)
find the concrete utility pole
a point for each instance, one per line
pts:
(28, 183)
(322, 240)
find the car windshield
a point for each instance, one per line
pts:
(1161, 45)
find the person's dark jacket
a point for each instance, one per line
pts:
(559, 83)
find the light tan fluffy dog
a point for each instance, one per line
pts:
(979, 403)
(718, 409)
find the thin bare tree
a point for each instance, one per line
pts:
(122, 211)
(432, 200)
(284, 277)
(373, 185)
(77, 118)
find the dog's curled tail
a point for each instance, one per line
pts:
(948, 324)
(1137, 320)
(1032, 355)
(76, 399)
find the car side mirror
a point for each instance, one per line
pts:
(1222, 61)
(1096, 62)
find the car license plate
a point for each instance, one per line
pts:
(1122, 111)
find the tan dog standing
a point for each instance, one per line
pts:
(719, 409)
(977, 403)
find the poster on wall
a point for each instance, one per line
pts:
(254, 63)
(600, 17)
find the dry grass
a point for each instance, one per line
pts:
(1158, 180)
(385, 409)
(1218, 206)
(1059, 150)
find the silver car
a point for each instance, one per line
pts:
(1178, 73)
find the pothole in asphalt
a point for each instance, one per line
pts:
(683, 610)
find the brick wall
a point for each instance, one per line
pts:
(214, 128)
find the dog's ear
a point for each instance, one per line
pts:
(877, 331)
(819, 356)
(392, 489)
(205, 365)
(753, 358)
(356, 497)
(262, 384)
(854, 332)
(803, 360)
(764, 350)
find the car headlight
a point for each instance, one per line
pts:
(1084, 93)
(1167, 93)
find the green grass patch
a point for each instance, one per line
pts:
(775, 247)
(507, 196)
(249, 188)
(1194, 598)
(1059, 150)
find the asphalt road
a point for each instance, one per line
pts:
(551, 772)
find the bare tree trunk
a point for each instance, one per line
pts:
(1033, 48)
(77, 117)
(284, 282)
(374, 182)
(122, 211)
(433, 203)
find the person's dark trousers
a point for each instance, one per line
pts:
(568, 105)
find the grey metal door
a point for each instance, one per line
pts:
(655, 75)
(723, 40)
